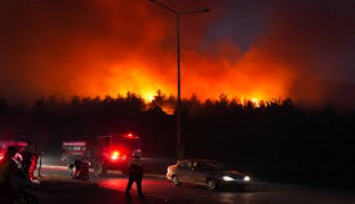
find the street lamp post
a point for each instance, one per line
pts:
(179, 147)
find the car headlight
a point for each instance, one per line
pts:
(246, 178)
(227, 178)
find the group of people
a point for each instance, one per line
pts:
(16, 171)
(18, 166)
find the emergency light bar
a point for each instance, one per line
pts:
(131, 136)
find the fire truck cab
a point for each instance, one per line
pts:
(104, 152)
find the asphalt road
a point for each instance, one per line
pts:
(57, 187)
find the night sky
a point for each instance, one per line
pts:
(244, 48)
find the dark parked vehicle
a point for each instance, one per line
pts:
(104, 152)
(206, 172)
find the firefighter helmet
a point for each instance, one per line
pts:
(137, 153)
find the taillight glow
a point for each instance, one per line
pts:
(115, 155)
(1, 157)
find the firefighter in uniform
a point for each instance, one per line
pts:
(135, 174)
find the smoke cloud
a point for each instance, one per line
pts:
(259, 49)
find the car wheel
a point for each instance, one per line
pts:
(176, 181)
(211, 184)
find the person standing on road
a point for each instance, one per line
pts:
(26, 159)
(135, 174)
(29, 162)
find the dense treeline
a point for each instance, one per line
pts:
(271, 140)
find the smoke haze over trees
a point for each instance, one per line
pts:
(256, 49)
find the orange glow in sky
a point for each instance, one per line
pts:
(103, 51)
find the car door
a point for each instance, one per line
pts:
(201, 172)
(197, 172)
(183, 172)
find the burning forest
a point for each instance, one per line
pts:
(258, 51)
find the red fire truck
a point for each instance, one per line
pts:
(104, 152)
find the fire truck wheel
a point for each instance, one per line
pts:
(98, 168)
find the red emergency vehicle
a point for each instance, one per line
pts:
(4, 144)
(104, 152)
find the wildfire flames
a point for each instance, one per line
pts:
(204, 76)
(110, 47)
